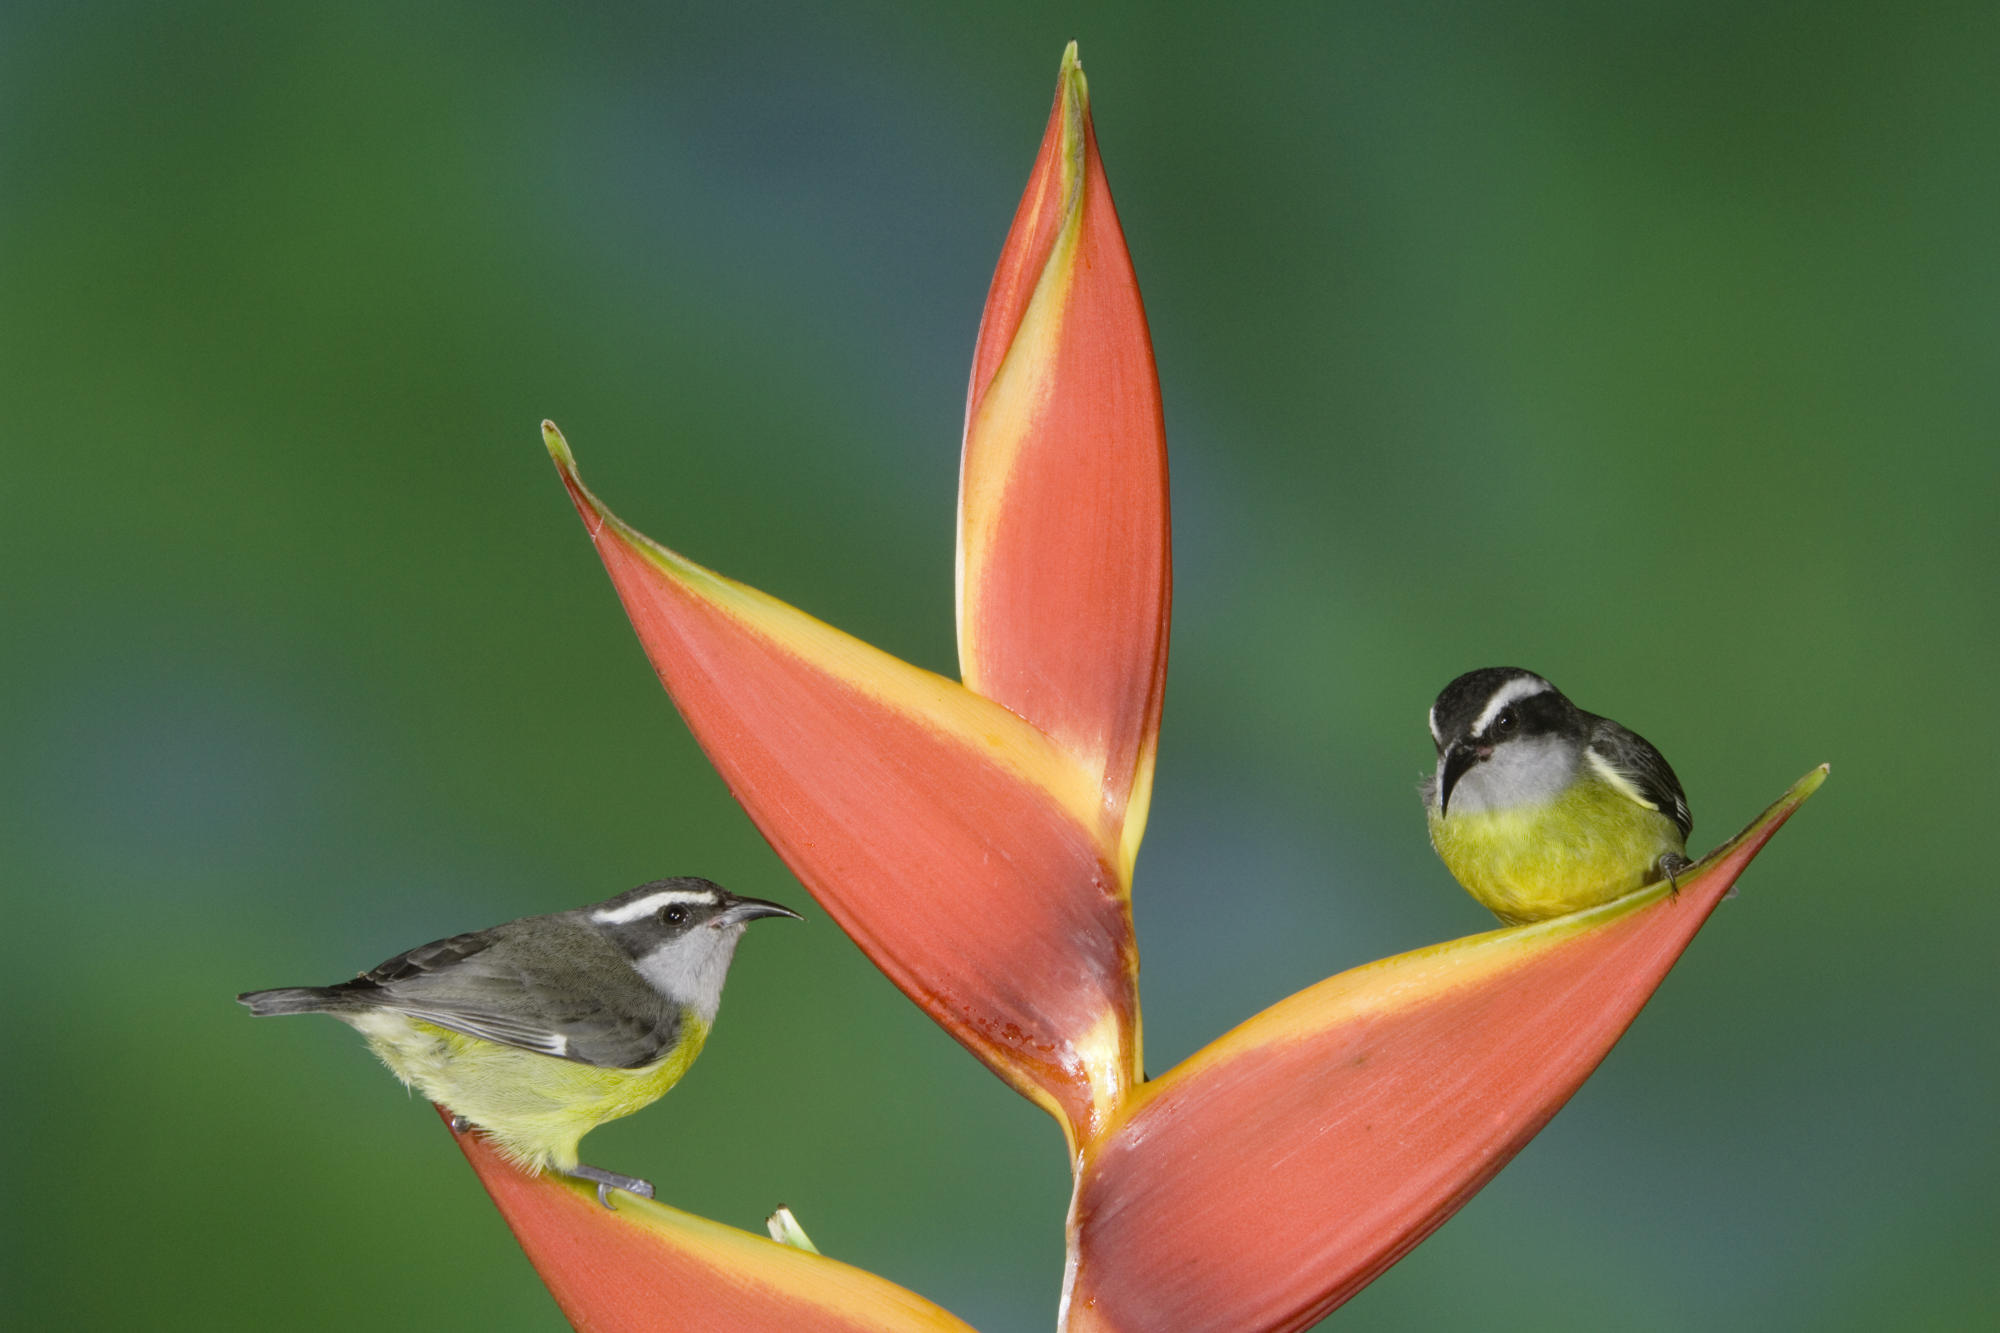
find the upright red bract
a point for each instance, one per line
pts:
(1064, 566)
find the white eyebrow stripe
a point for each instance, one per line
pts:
(1513, 691)
(1437, 737)
(651, 903)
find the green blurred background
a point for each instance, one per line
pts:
(1650, 346)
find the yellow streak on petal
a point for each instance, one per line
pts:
(855, 1294)
(1113, 1069)
(941, 704)
(1137, 806)
(1020, 388)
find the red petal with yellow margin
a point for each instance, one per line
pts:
(1281, 1169)
(958, 846)
(650, 1267)
(1063, 549)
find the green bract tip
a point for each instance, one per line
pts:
(1072, 69)
(558, 447)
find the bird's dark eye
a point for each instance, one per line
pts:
(1504, 724)
(673, 915)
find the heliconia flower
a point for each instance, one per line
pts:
(976, 840)
(1281, 1169)
(647, 1268)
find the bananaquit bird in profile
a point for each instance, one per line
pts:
(1539, 808)
(540, 1030)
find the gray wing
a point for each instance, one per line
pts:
(556, 988)
(1632, 760)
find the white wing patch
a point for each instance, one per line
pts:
(492, 1028)
(1623, 785)
(641, 908)
(1521, 687)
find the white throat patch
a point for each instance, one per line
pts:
(1530, 772)
(640, 908)
(690, 969)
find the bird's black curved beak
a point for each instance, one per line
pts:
(741, 910)
(1459, 757)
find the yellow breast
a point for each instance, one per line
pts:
(1590, 845)
(535, 1108)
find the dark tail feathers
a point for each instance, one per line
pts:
(293, 1000)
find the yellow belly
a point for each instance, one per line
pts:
(1587, 847)
(534, 1108)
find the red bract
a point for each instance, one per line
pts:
(647, 1268)
(959, 846)
(977, 840)
(1063, 561)
(1279, 1170)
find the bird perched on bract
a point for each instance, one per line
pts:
(1540, 808)
(540, 1030)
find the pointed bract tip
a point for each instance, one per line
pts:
(1071, 74)
(1763, 826)
(1805, 786)
(558, 447)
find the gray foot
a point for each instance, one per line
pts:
(459, 1124)
(1671, 866)
(610, 1180)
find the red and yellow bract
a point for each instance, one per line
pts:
(650, 1267)
(1279, 1170)
(1064, 568)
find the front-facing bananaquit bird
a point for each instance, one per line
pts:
(540, 1030)
(1539, 808)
